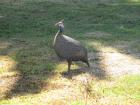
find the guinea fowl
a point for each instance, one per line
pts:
(68, 48)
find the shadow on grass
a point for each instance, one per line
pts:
(32, 71)
(95, 70)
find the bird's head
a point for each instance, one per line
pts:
(60, 25)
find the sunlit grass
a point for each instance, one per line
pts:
(6, 64)
(4, 45)
(63, 67)
(135, 1)
(127, 86)
(78, 102)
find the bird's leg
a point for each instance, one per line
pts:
(88, 64)
(69, 64)
(86, 61)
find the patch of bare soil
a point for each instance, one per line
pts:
(115, 63)
(120, 59)
(115, 60)
(7, 76)
(6, 84)
(119, 64)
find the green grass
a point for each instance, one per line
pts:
(28, 25)
(77, 103)
(127, 86)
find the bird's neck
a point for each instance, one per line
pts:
(59, 33)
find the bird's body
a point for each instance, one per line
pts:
(69, 49)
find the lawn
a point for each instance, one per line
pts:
(30, 71)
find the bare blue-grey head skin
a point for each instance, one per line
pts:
(68, 48)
